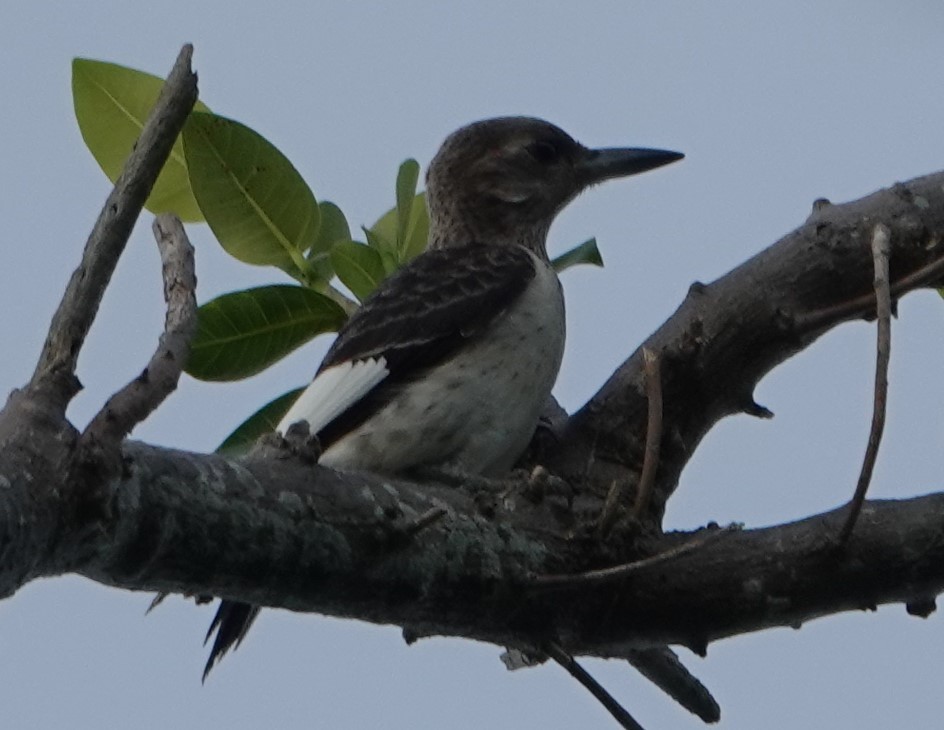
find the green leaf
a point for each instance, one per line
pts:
(257, 204)
(586, 253)
(111, 105)
(407, 176)
(241, 333)
(360, 268)
(418, 234)
(259, 423)
(333, 228)
(379, 240)
(322, 271)
(417, 231)
(385, 248)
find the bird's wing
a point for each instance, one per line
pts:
(414, 320)
(333, 391)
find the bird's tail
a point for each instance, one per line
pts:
(231, 623)
(661, 666)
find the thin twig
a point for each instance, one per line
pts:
(881, 246)
(650, 463)
(814, 320)
(55, 370)
(138, 399)
(619, 713)
(620, 572)
(421, 522)
(610, 508)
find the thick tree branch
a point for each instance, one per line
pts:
(54, 376)
(728, 334)
(280, 533)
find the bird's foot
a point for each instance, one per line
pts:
(541, 483)
(297, 443)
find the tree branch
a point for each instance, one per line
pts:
(281, 533)
(728, 334)
(135, 402)
(54, 376)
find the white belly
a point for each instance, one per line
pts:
(478, 411)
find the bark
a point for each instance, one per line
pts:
(519, 564)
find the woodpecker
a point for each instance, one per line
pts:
(451, 360)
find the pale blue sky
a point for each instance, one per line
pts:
(774, 107)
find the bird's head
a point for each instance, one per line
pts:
(505, 179)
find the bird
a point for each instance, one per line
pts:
(449, 362)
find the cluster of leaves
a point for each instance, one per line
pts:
(262, 212)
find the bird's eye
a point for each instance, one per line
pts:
(543, 152)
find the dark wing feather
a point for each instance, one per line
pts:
(416, 318)
(422, 315)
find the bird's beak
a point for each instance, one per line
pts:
(604, 164)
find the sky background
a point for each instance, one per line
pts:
(773, 106)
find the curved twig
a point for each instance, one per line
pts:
(818, 318)
(881, 246)
(621, 572)
(650, 464)
(136, 400)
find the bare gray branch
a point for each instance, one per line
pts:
(136, 400)
(55, 372)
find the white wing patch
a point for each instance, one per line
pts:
(334, 391)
